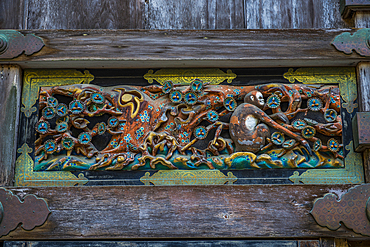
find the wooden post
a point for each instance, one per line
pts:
(362, 20)
(10, 93)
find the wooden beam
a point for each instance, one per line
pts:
(161, 49)
(146, 212)
(10, 94)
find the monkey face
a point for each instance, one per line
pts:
(260, 99)
(256, 98)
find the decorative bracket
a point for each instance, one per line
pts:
(13, 44)
(348, 7)
(353, 210)
(31, 212)
(359, 41)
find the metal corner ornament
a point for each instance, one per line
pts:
(359, 42)
(13, 44)
(353, 210)
(31, 212)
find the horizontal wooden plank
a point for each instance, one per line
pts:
(159, 49)
(179, 243)
(146, 212)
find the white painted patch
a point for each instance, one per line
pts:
(251, 122)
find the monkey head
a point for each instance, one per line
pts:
(255, 98)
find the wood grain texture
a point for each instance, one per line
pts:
(85, 14)
(149, 243)
(362, 19)
(171, 14)
(363, 84)
(160, 49)
(277, 14)
(12, 14)
(144, 212)
(10, 93)
(194, 14)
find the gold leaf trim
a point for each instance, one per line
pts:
(34, 79)
(346, 77)
(352, 174)
(183, 177)
(186, 76)
(25, 176)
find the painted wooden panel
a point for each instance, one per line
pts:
(85, 14)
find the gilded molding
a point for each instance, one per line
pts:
(353, 210)
(13, 44)
(345, 77)
(25, 176)
(186, 76)
(178, 177)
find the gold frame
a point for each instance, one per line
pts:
(33, 80)
(344, 76)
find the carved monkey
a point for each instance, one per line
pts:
(246, 130)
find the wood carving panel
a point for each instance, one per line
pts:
(188, 126)
(194, 126)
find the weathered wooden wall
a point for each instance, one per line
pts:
(170, 14)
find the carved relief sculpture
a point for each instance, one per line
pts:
(195, 126)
